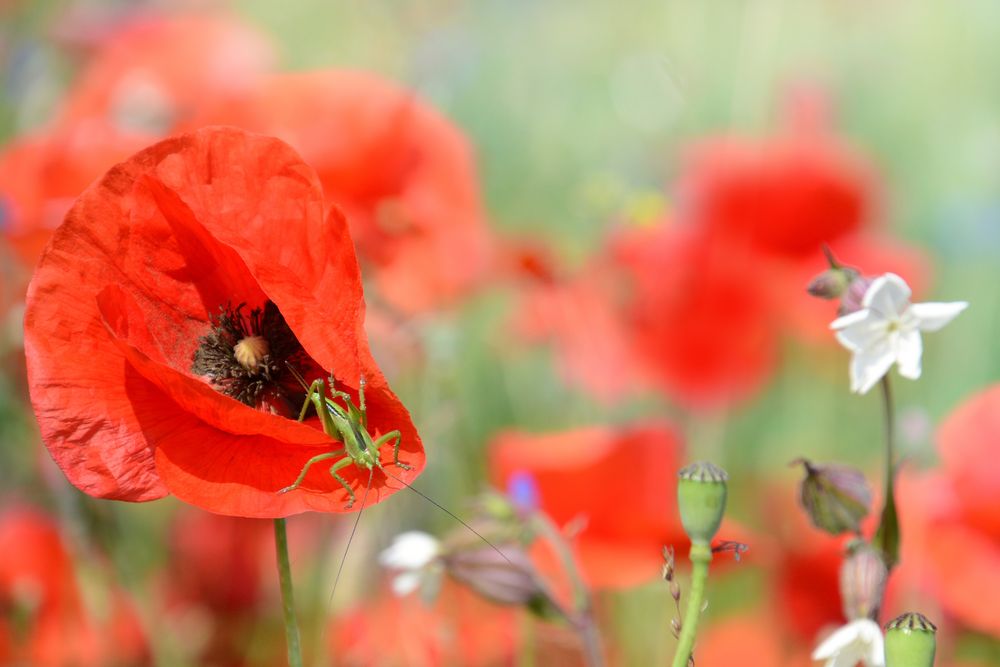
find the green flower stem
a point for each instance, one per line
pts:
(583, 618)
(887, 536)
(287, 598)
(701, 556)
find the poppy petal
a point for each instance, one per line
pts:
(123, 296)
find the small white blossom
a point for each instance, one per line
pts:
(410, 553)
(858, 641)
(887, 330)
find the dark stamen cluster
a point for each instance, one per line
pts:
(270, 379)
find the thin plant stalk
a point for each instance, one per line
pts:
(582, 618)
(287, 598)
(700, 556)
(887, 535)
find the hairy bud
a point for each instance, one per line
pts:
(855, 294)
(832, 283)
(509, 578)
(835, 497)
(862, 581)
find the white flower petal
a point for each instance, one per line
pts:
(410, 551)
(932, 316)
(835, 643)
(850, 319)
(859, 640)
(869, 365)
(909, 347)
(862, 333)
(405, 583)
(875, 656)
(888, 295)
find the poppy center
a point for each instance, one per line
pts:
(246, 356)
(251, 351)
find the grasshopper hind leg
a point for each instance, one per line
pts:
(340, 465)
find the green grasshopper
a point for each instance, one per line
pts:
(348, 424)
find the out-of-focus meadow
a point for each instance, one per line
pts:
(605, 282)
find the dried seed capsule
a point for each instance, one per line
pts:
(835, 497)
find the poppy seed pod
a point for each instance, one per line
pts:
(910, 641)
(701, 498)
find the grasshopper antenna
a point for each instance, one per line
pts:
(297, 375)
(451, 514)
(354, 529)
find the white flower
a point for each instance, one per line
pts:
(410, 553)
(887, 330)
(858, 641)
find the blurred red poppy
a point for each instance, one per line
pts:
(51, 626)
(231, 604)
(751, 639)
(700, 312)
(783, 195)
(153, 72)
(41, 175)
(951, 519)
(147, 76)
(582, 316)
(137, 300)
(198, 542)
(402, 173)
(620, 483)
(458, 628)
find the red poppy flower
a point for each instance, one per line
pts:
(402, 173)
(952, 518)
(154, 72)
(189, 248)
(54, 629)
(621, 483)
(459, 628)
(700, 312)
(582, 316)
(783, 195)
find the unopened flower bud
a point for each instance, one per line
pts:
(701, 498)
(862, 581)
(910, 641)
(835, 497)
(506, 578)
(832, 283)
(855, 294)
